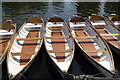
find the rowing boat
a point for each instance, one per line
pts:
(59, 43)
(115, 19)
(25, 46)
(6, 32)
(108, 31)
(91, 42)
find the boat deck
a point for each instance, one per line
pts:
(29, 46)
(87, 44)
(58, 45)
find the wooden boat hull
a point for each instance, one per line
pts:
(59, 43)
(107, 30)
(25, 46)
(91, 42)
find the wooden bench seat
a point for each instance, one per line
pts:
(85, 37)
(86, 42)
(99, 50)
(28, 38)
(23, 53)
(110, 34)
(59, 37)
(53, 51)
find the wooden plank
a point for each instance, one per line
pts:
(99, 50)
(25, 53)
(61, 37)
(28, 38)
(85, 37)
(53, 51)
(110, 34)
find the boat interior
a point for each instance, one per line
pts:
(116, 21)
(59, 43)
(107, 31)
(26, 45)
(89, 41)
(6, 32)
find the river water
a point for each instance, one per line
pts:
(20, 11)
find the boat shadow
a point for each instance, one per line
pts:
(42, 68)
(84, 66)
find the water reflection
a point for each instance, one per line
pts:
(102, 9)
(112, 7)
(86, 9)
(20, 11)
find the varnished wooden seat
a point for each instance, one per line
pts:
(28, 38)
(53, 51)
(23, 53)
(60, 37)
(85, 37)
